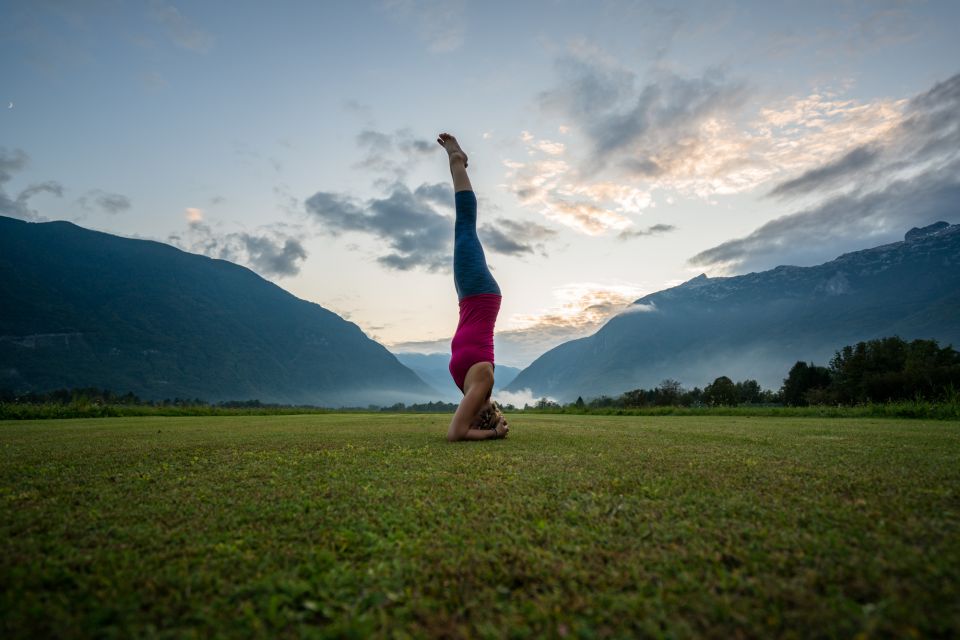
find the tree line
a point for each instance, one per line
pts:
(874, 371)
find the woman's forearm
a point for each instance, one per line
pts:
(480, 434)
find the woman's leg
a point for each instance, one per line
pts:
(471, 275)
(458, 162)
(470, 272)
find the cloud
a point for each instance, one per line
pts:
(153, 81)
(393, 153)
(417, 235)
(698, 135)
(638, 307)
(439, 23)
(910, 176)
(18, 206)
(580, 305)
(438, 193)
(267, 256)
(580, 309)
(181, 29)
(107, 202)
(519, 399)
(829, 174)
(653, 230)
(647, 130)
(271, 253)
(843, 223)
(513, 237)
(548, 183)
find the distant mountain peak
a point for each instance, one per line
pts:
(921, 232)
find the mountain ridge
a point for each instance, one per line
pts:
(87, 308)
(756, 325)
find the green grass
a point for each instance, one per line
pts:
(372, 525)
(944, 409)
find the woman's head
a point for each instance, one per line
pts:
(488, 417)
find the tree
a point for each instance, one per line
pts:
(546, 403)
(692, 398)
(893, 369)
(668, 393)
(579, 404)
(634, 398)
(721, 391)
(802, 378)
(748, 392)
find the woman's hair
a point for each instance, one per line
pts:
(490, 417)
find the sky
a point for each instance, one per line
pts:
(616, 148)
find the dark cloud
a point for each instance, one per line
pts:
(511, 237)
(908, 177)
(844, 223)
(418, 236)
(439, 193)
(267, 256)
(829, 174)
(181, 29)
(107, 202)
(18, 206)
(272, 253)
(653, 230)
(647, 130)
(930, 129)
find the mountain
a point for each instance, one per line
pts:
(83, 308)
(759, 324)
(433, 369)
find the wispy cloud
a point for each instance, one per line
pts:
(271, 252)
(181, 30)
(438, 23)
(18, 206)
(652, 230)
(104, 201)
(393, 153)
(647, 130)
(580, 305)
(829, 174)
(580, 309)
(698, 135)
(907, 175)
(549, 184)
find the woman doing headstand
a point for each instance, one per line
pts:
(471, 361)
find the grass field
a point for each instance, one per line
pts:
(579, 526)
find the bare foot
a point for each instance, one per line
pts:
(450, 143)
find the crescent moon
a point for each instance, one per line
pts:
(11, 106)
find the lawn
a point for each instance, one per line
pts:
(580, 526)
